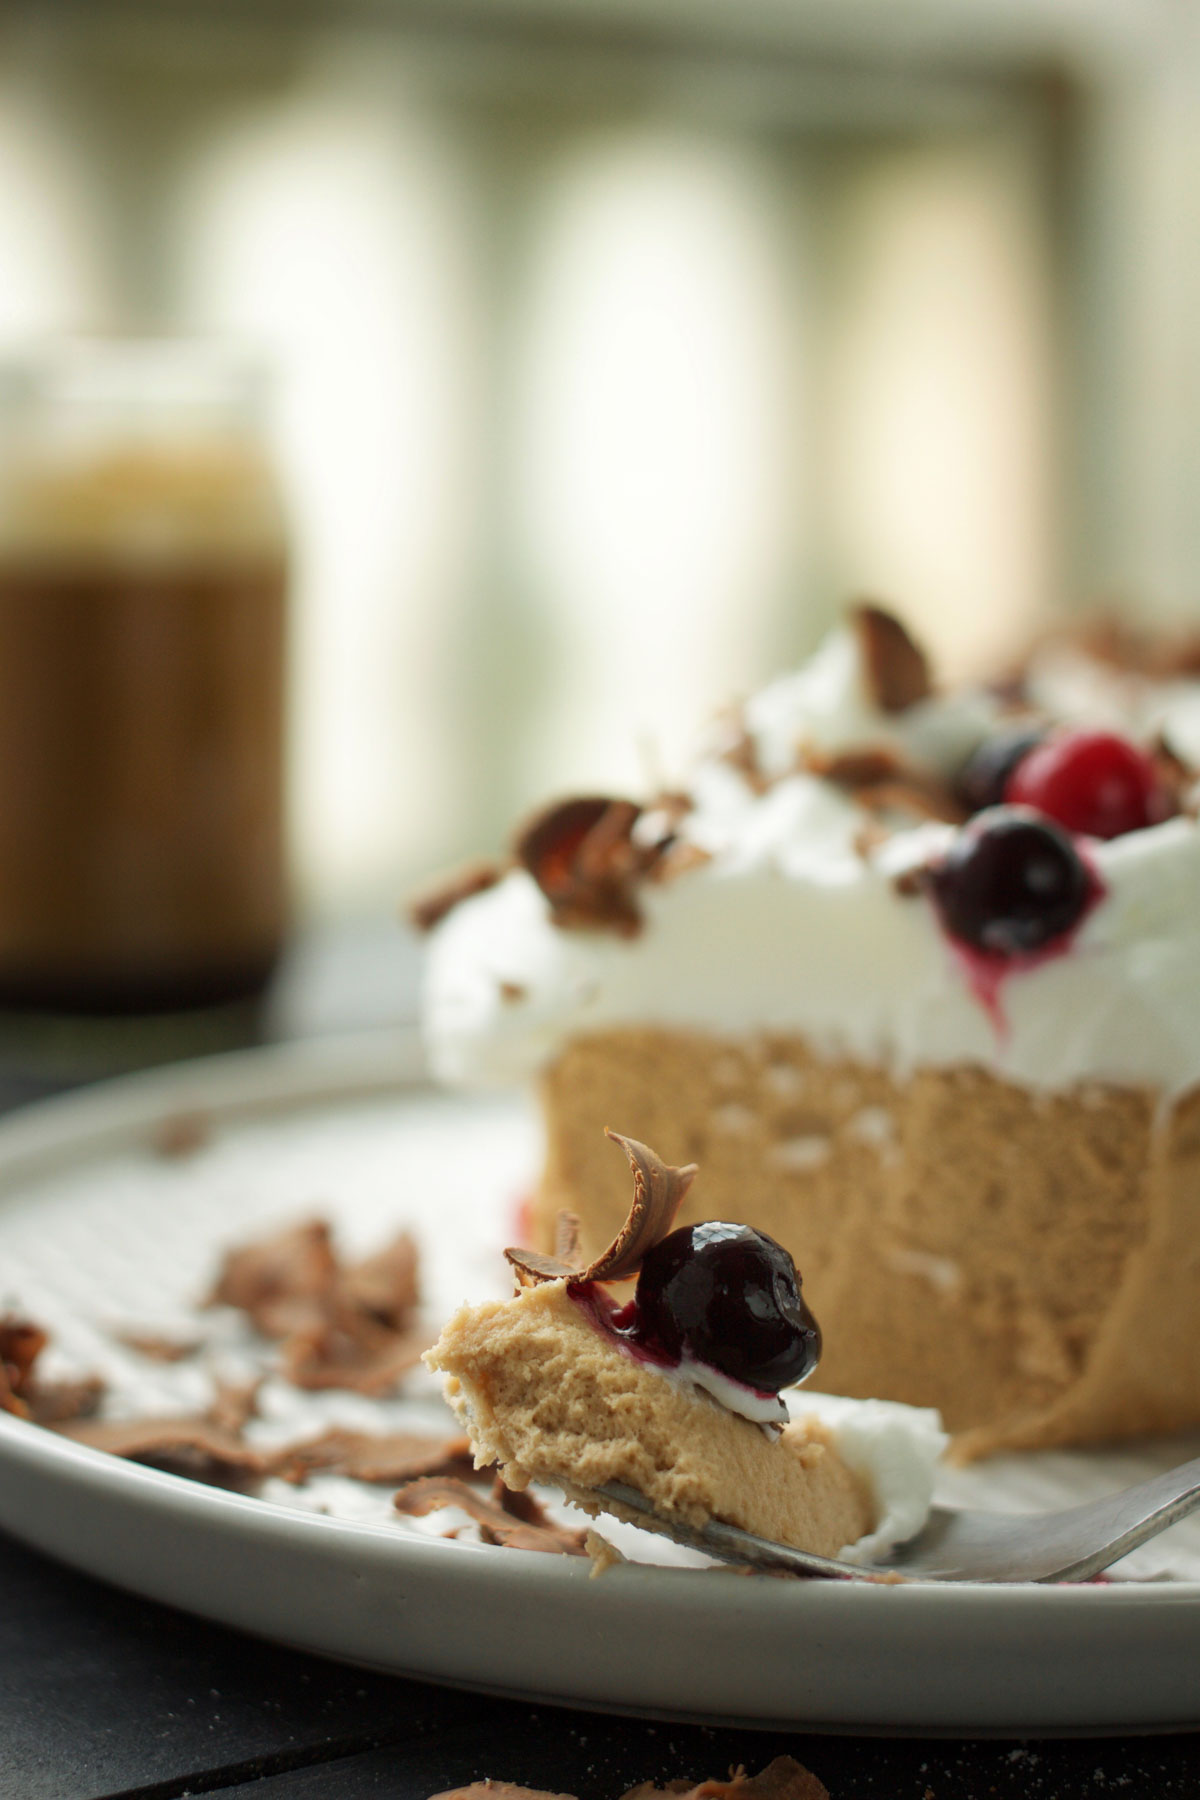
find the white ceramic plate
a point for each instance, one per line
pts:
(97, 1229)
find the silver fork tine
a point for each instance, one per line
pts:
(1070, 1545)
(730, 1544)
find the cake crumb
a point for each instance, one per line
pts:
(605, 1556)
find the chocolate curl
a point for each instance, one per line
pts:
(658, 1191)
(583, 857)
(531, 1267)
(896, 671)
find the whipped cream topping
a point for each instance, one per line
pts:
(795, 924)
(735, 1396)
(894, 1449)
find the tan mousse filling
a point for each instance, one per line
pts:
(1026, 1262)
(548, 1397)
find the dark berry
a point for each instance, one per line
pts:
(984, 777)
(1093, 782)
(1011, 881)
(728, 1296)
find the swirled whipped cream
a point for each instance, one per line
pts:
(788, 902)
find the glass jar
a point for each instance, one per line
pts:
(143, 573)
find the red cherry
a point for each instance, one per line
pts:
(1093, 782)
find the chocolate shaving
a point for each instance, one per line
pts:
(341, 1325)
(910, 884)
(182, 1134)
(56, 1402)
(530, 1267)
(24, 1394)
(496, 1524)
(157, 1347)
(352, 1352)
(782, 1779)
(881, 782)
(21, 1343)
(658, 1192)
(429, 907)
(385, 1284)
(895, 668)
(854, 768)
(585, 859)
(283, 1282)
(366, 1456)
(195, 1447)
(234, 1404)
(923, 797)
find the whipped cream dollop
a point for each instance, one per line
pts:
(794, 920)
(894, 1449)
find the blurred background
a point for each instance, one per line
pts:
(581, 358)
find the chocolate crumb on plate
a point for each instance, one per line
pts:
(782, 1779)
(197, 1447)
(28, 1396)
(181, 1134)
(497, 1523)
(384, 1457)
(340, 1325)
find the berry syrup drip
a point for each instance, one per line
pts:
(1011, 894)
(719, 1294)
(618, 1323)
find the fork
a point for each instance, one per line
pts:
(960, 1545)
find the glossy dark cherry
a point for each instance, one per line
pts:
(1093, 782)
(984, 777)
(1011, 882)
(728, 1296)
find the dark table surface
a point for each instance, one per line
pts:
(105, 1695)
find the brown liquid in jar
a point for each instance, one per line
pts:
(141, 755)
